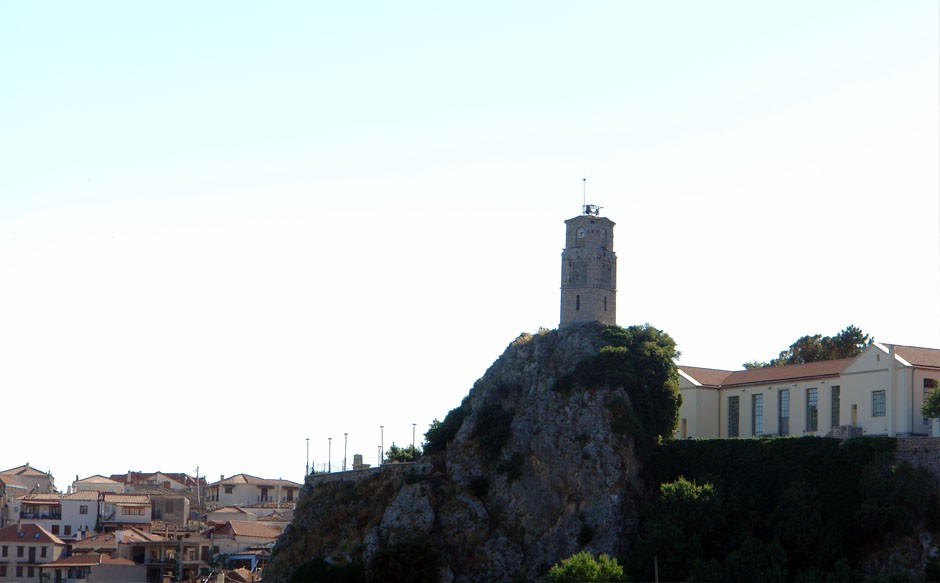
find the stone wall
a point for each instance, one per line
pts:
(319, 479)
(921, 452)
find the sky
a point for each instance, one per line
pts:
(230, 231)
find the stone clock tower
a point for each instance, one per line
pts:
(589, 269)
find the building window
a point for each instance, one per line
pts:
(68, 529)
(83, 509)
(4, 550)
(878, 403)
(733, 416)
(812, 410)
(835, 405)
(55, 529)
(757, 415)
(31, 572)
(3, 570)
(929, 385)
(783, 406)
(230, 489)
(169, 506)
(577, 302)
(19, 551)
(42, 552)
(19, 571)
(128, 510)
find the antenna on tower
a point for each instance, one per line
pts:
(587, 209)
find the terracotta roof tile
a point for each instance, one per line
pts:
(30, 533)
(709, 377)
(917, 356)
(789, 372)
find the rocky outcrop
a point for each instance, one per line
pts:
(534, 474)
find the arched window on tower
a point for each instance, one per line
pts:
(605, 303)
(577, 302)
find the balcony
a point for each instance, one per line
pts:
(41, 515)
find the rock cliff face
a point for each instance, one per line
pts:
(536, 472)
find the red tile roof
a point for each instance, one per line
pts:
(249, 529)
(917, 356)
(709, 377)
(89, 560)
(31, 533)
(127, 499)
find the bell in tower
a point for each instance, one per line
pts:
(589, 269)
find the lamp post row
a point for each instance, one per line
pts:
(329, 449)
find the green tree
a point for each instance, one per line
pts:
(583, 567)
(931, 406)
(815, 348)
(402, 454)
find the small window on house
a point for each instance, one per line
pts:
(19, 551)
(3, 570)
(55, 529)
(5, 549)
(19, 571)
(878, 405)
(36, 535)
(68, 529)
(169, 506)
(757, 415)
(42, 552)
(229, 489)
(83, 509)
(31, 572)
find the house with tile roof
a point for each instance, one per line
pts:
(96, 567)
(878, 392)
(97, 483)
(35, 480)
(26, 550)
(119, 511)
(247, 490)
(63, 516)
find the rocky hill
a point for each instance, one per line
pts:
(539, 462)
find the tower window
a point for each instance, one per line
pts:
(605, 303)
(577, 302)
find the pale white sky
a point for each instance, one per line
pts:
(228, 227)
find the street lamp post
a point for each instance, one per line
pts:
(345, 441)
(308, 459)
(413, 438)
(329, 455)
(381, 442)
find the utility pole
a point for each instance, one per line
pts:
(345, 442)
(307, 470)
(329, 455)
(381, 443)
(413, 425)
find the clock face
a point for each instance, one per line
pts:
(581, 233)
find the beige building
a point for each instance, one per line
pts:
(879, 392)
(25, 552)
(246, 490)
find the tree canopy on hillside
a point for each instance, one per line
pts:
(847, 343)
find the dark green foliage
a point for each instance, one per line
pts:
(440, 433)
(933, 570)
(402, 454)
(778, 509)
(931, 407)
(641, 360)
(847, 343)
(414, 561)
(319, 571)
(493, 428)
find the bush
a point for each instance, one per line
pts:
(493, 429)
(583, 567)
(440, 433)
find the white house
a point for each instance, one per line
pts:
(120, 511)
(97, 483)
(878, 392)
(246, 490)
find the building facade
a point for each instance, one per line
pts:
(878, 392)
